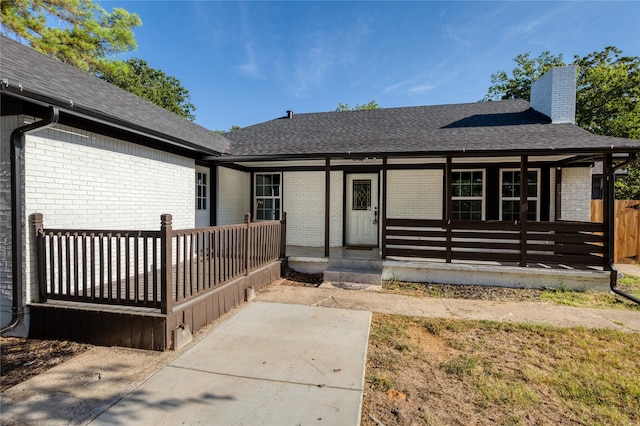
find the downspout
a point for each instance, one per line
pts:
(17, 138)
(613, 280)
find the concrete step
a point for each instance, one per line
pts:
(354, 276)
(364, 265)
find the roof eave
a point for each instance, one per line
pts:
(427, 154)
(102, 118)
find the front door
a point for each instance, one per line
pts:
(362, 209)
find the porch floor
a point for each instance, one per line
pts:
(437, 270)
(375, 253)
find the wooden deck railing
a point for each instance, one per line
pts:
(568, 243)
(155, 269)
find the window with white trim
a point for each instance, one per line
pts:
(467, 194)
(268, 190)
(510, 194)
(201, 191)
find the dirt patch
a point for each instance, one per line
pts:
(474, 292)
(299, 279)
(24, 358)
(455, 372)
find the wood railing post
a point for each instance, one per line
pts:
(524, 208)
(383, 210)
(283, 236)
(448, 205)
(38, 228)
(166, 269)
(247, 248)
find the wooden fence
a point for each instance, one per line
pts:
(626, 231)
(154, 269)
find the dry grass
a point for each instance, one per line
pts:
(590, 299)
(563, 296)
(437, 371)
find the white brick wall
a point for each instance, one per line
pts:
(576, 194)
(78, 179)
(304, 202)
(415, 194)
(337, 208)
(554, 94)
(233, 196)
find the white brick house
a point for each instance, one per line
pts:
(438, 182)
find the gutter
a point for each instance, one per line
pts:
(114, 122)
(464, 153)
(613, 279)
(17, 139)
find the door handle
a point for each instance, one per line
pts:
(375, 215)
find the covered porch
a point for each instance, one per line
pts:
(535, 244)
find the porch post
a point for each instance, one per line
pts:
(383, 210)
(558, 212)
(166, 269)
(283, 235)
(448, 214)
(38, 228)
(608, 206)
(247, 244)
(524, 208)
(327, 204)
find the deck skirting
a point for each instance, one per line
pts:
(142, 328)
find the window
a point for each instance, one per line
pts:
(361, 194)
(201, 191)
(467, 200)
(267, 196)
(510, 195)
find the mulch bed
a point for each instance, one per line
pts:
(24, 358)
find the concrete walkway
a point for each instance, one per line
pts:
(525, 312)
(284, 359)
(271, 364)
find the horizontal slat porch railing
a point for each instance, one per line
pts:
(567, 243)
(153, 269)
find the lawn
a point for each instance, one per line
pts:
(563, 296)
(437, 372)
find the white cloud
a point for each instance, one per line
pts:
(420, 89)
(321, 54)
(524, 29)
(395, 87)
(251, 68)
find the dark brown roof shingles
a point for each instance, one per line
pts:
(475, 127)
(46, 76)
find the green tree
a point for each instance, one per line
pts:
(608, 93)
(233, 127)
(153, 85)
(367, 106)
(86, 37)
(607, 97)
(628, 187)
(518, 86)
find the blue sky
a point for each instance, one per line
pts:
(248, 62)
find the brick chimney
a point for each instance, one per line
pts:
(554, 94)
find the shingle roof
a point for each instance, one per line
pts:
(53, 79)
(474, 127)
